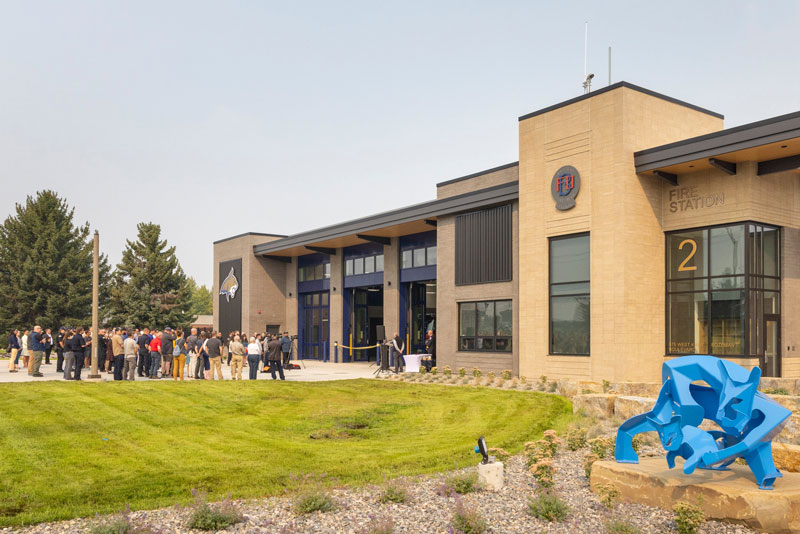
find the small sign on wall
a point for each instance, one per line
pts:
(565, 186)
(230, 298)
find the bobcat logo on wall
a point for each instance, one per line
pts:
(229, 286)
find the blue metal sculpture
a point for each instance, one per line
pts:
(748, 419)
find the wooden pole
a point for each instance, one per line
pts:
(95, 306)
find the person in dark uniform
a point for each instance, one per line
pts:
(78, 346)
(60, 337)
(48, 346)
(274, 357)
(430, 347)
(144, 352)
(398, 347)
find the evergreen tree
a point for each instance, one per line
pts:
(46, 266)
(202, 301)
(150, 288)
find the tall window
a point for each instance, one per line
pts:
(569, 295)
(721, 281)
(485, 326)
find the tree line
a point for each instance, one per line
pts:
(46, 273)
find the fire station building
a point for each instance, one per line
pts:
(633, 228)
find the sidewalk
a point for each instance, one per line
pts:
(310, 371)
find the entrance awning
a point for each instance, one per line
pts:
(404, 221)
(773, 143)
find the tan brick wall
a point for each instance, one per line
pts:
(391, 287)
(449, 295)
(291, 299)
(790, 303)
(483, 181)
(335, 304)
(622, 212)
(262, 285)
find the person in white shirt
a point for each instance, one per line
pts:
(131, 349)
(253, 357)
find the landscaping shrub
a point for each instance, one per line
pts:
(460, 483)
(602, 446)
(777, 391)
(477, 373)
(447, 371)
(118, 524)
(434, 370)
(608, 495)
(543, 471)
(204, 516)
(548, 507)
(576, 438)
(523, 380)
(313, 500)
(490, 377)
(462, 372)
(514, 383)
(379, 525)
(552, 387)
(506, 374)
(688, 517)
(606, 386)
(467, 521)
(423, 369)
(394, 492)
(618, 526)
(588, 460)
(551, 439)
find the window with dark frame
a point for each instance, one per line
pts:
(570, 295)
(417, 257)
(485, 326)
(721, 282)
(372, 263)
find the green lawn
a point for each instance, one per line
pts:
(76, 449)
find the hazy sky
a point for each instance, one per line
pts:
(217, 118)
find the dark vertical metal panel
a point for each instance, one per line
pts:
(230, 309)
(484, 246)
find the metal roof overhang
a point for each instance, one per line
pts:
(773, 143)
(404, 221)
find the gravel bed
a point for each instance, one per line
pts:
(427, 512)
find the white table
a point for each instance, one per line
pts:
(412, 362)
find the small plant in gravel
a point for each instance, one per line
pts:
(548, 507)
(514, 383)
(619, 526)
(118, 524)
(588, 460)
(543, 471)
(553, 442)
(313, 500)
(777, 391)
(379, 525)
(638, 442)
(602, 446)
(490, 377)
(460, 483)
(552, 387)
(576, 438)
(467, 521)
(606, 386)
(394, 492)
(608, 495)
(462, 372)
(423, 369)
(447, 371)
(688, 517)
(523, 380)
(204, 516)
(434, 370)
(477, 373)
(506, 374)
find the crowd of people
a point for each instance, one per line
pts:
(152, 354)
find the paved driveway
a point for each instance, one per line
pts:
(310, 371)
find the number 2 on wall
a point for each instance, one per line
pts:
(693, 244)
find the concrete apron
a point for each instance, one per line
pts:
(731, 496)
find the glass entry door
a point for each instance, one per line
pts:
(771, 360)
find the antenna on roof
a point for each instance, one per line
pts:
(587, 78)
(609, 65)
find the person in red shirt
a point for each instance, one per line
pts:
(155, 355)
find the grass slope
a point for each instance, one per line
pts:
(71, 450)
